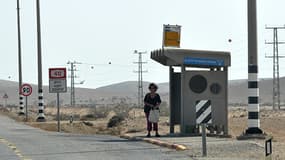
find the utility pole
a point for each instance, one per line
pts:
(275, 56)
(41, 116)
(21, 98)
(140, 72)
(72, 76)
(253, 88)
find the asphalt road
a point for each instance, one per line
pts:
(21, 142)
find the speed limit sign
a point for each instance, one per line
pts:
(26, 90)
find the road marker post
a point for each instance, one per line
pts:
(57, 84)
(268, 149)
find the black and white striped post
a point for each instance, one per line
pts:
(21, 98)
(253, 89)
(41, 116)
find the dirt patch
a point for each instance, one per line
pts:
(272, 122)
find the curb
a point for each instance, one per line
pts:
(126, 136)
(157, 142)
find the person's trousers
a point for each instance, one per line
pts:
(150, 126)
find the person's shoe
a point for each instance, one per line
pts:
(157, 135)
(148, 135)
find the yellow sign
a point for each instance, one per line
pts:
(171, 36)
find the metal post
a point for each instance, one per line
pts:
(21, 98)
(226, 130)
(171, 126)
(139, 81)
(253, 89)
(204, 140)
(182, 124)
(275, 57)
(140, 77)
(26, 105)
(72, 94)
(58, 114)
(5, 103)
(41, 116)
(72, 81)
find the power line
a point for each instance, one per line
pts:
(140, 72)
(275, 56)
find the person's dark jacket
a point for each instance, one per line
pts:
(153, 101)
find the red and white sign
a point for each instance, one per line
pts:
(26, 90)
(57, 73)
(57, 80)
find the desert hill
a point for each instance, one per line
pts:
(126, 92)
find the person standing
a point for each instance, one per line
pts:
(151, 102)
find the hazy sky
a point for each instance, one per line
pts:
(96, 32)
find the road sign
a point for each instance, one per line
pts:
(57, 80)
(57, 73)
(203, 112)
(57, 84)
(26, 90)
(171, 36)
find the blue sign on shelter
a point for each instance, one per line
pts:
(203, 61)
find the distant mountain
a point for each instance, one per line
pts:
(126, 92)
(238, 91)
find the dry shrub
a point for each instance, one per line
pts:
(115, 121)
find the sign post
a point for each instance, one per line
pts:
(57, 84)
(5, 97)
(203, 118)
(204, 140)
(26, 90)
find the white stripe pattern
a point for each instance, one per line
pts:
(41, 115)
(22, 104)
(205, 113)
(41, 105)
(200, 104)
(253, 108)
(252, 123)
(253, 76)
(253, 92)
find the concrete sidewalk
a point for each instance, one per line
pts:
(218, 148)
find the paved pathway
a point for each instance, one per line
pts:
(21, 142)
